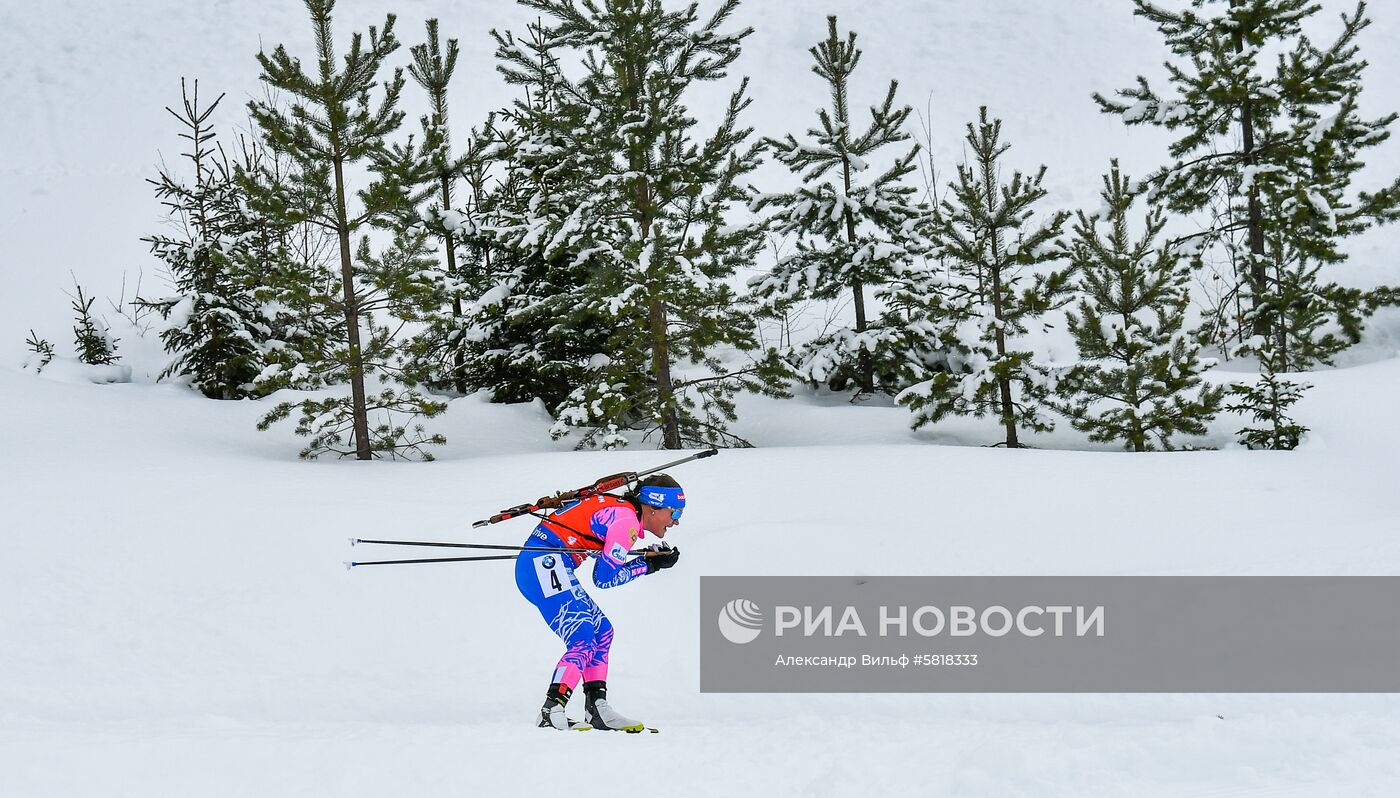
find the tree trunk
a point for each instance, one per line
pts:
(660, 348)
(1258, 279)
(1137, 434)
(459, 376)
(656, 307)
(205, 270)
(1008, 407)
(867, 369)
(665, 390)
(352, 321)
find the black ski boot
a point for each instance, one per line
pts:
(601, 715)
(552, 713)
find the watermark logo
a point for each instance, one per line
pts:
(740, 621)
(1041, 634)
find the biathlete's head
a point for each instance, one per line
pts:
(662, 501)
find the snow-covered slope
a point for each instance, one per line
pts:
(175, 620)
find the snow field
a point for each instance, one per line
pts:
(177, 619)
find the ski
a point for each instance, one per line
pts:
(581, 726)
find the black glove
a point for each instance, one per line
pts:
(661, 557)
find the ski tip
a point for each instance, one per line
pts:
(354, 541)
(349, 565)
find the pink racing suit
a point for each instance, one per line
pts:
(607, 526)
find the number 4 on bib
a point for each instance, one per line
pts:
(554, 578)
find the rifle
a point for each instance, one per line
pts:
(602, 485)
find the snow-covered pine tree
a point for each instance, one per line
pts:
(525, 334)
(289, 260)
(993, 284)
(218, 330)
(331, 125)
(1266, 158)
(529, 336)
(91, 336)
(1313, 319)
(397, 280)
(438, 355)
(443, 354)
(1139, 377)
(850, 235)
(1267, 401)
(638, 204)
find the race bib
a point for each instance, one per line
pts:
(554, 577)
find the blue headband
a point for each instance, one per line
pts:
(660, 496)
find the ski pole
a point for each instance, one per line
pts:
(350, 565)
(358, 541)
(602, 485)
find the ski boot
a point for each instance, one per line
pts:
(601, 715)
(552, 713)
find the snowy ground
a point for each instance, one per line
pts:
(175, 619)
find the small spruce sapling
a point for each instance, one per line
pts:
(996, 284)
(1139, 377)
(1267, 402)
(218, 334)
(852, 234)
(40, 347)
(94, 342)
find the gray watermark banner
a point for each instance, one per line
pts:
(1011, 634)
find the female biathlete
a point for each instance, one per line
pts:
(607, 527)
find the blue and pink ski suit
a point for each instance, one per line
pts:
(608, 527)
